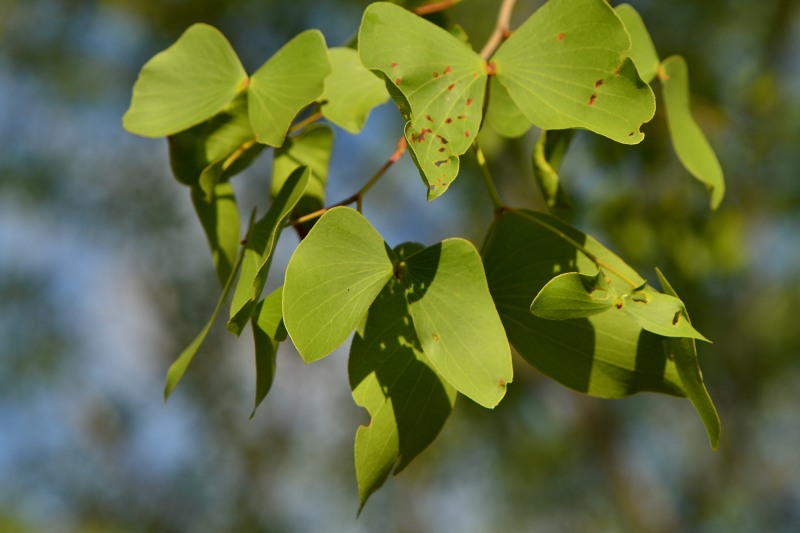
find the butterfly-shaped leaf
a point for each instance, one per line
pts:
(441, 80)
(567, 66)
(189, 82)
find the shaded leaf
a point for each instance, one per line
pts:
(193, 150)
(548, 154)
(351, 91)
(267, 326)
(331, 280)
(503, 114)
(643, 52)
(659, 313)
(684, 352)
(189, 82)
(436, 80)
(574, 295)
(260, 245)
(289, 81)
(691, 145)
(456, 320)
(178, 368)
(567, 67)
(219, 216)
(393, 379)
(607, 355)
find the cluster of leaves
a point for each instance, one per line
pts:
(430, 322)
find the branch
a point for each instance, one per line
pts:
(501, 30)
(435, 7)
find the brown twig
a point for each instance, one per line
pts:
(435, 7)
(501, 30)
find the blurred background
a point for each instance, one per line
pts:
(105, 277)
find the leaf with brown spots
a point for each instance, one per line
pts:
(440, 78)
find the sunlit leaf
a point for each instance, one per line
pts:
(351, 91)
(690, 143)
(607, 355)
(289, 81)
(503, 114)
(268, 331)
(574, 295)
(189, 82)
(643, 52)
(219, 216)
(331, 280)
(659, 313)
(392, 378)
(193, 150)
(456, 320)
(567, 67)
(440, 78)
(259, 247)
(684, 352)
(548, 154)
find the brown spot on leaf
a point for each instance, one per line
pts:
(448, 120)
(434, 336)
(469, 101)
(630, 134)
(450, 87)
(397, 81)
(592, 99)
(676, 318)
(448, 70)
(598, 84)
(500, 383)
(462, 116)
(491, 68)
(616, 71)
(393, 65)
(428, 117)
(560, 36)
(423, 132)
(466, 133)
(441, 149)
(441, 139)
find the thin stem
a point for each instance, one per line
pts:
(497, 202)
(358, 197)
(310, 119)
(238, 153)
(501, 30)
(578, 246)
(435, 7)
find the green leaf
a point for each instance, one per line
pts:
(503, 114)
(178, 368)
(351, 91)
(291, 79)
(692, 147)
(391, 377)
(684, 352)
(607, 355)
(268, 330)
(219, 216)
(456, 320)
(259, 248)
(440, 79)
(659, 313)
(567, 67)
(193, 150)
(548, 154)
(643, 52)
(312, 148)
(331, 280)
(574, 295)
(189, 82)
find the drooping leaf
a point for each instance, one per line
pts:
(178, 368)
(456, 320)
(503, 114)
(268, 331)
(567, 66)
(643, 52)
(351, 91)
(259, 247)
(684, 352)
(193, 150)
(659, 313)
(189, 82)
(219, 216)
(691, 145)
(548, 154)
(332, 278)
(312, 148)
(393, 379)
(440, 79)
(289, 81)
(607, 355)
(574, 295)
